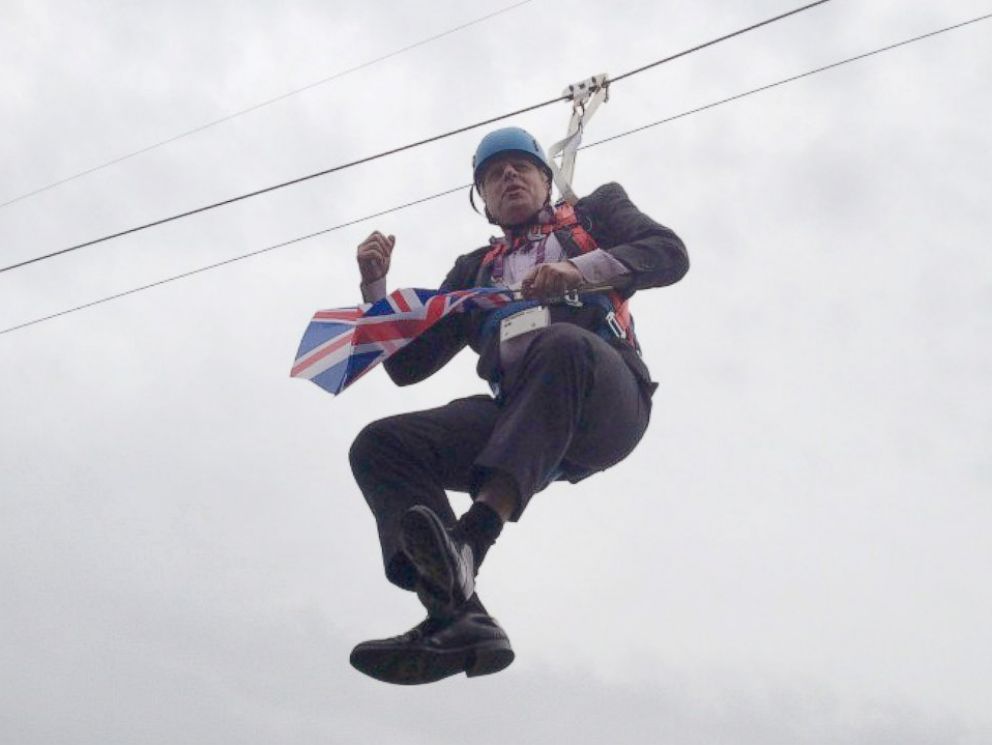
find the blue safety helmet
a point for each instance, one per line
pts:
(508, 140)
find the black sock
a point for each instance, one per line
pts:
(479, 527)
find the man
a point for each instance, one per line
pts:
(572, 397)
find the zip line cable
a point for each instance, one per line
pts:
(237, 258)
(263, 104)
(395, 150)
(438, 195)
(789, 80)
(687, 52)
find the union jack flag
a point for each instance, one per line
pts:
(340, 346)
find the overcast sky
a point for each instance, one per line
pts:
(797, 552)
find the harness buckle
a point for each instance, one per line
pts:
(615, 327)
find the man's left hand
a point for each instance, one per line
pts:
(551, 281)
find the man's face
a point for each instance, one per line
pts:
(514, 188)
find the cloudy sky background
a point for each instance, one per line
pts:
(798, 551)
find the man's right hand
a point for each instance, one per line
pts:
(373, 256)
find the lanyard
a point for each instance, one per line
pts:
(519, 244)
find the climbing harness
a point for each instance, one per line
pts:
(617, 321)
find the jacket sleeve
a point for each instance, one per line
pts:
(653, 254)
(433, 349)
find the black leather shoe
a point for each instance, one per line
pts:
(471, 642)
(446, 565)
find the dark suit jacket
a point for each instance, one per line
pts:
(652, 253)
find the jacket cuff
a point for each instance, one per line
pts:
(599, 268)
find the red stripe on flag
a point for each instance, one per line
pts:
(397, 330)
(436, 308)
(349, 314)
(318, 356)
(401, 303)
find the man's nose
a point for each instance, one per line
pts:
(510, 170)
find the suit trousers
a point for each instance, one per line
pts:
(568, 408)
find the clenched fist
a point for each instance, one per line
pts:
(373, 256)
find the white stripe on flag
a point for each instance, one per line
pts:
(326, 363)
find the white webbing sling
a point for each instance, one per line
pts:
(586, 98)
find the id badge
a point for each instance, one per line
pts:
(524, 322)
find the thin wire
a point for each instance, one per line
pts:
(787, 80)
(751, 92)
(377, 156)
(267, 189)
(740, 32)
(236, 258)
(263, 104)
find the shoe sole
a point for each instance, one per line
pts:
(423, 537)
(418, 665)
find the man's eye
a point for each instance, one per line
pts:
(495, 171)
